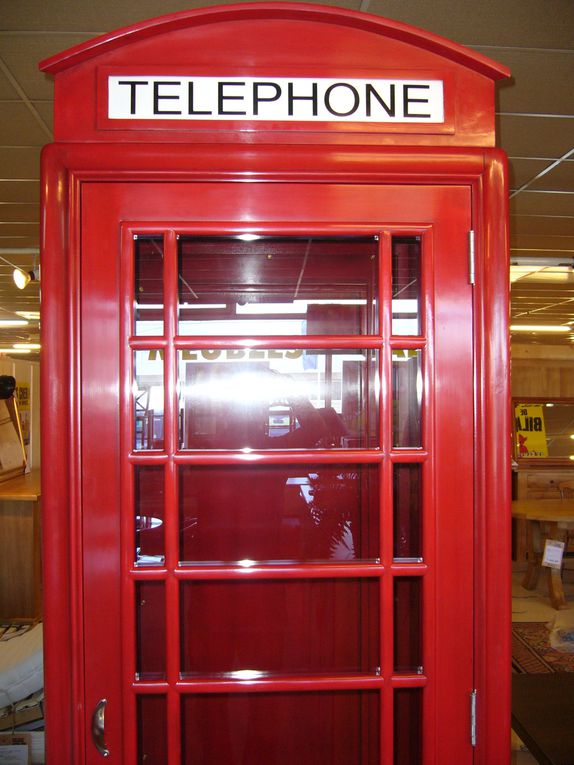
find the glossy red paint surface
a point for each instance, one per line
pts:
(131, 620)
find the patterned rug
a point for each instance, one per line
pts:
(532, 652)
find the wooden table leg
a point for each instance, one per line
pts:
(554, 575)
(533, 555)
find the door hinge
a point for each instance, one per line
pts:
(471, 257)
(473, 718)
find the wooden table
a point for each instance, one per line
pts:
(20, 549)
(543, 517)
(543, 715)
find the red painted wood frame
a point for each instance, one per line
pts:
(65, 170)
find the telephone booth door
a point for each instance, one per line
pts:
(277, 473)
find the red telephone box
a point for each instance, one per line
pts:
(275, 395)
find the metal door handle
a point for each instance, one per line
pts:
(99, 727)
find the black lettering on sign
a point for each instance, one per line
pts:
(354, 93)
(408, 100)
(191, 101)
(258, 98)
(133, 85)
(222, 96)
(157, 97)
(291, 98)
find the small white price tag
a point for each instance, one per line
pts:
(553, 552)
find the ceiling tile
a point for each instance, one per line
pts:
(536, 137)
(532, 23)
(16, 212)
(522, 170)
(541, 202)
(536, 241)
(542, 224)
(528, 91)
(22, 129)
(20, 162)
(20, 191)
(31, 231)
(560, 178)
(22, 54)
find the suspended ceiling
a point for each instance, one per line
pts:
(534, 38)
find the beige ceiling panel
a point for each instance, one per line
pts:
(542, 224)
(28, 230)
(547, 241)
(19, 212)
(22, 54)
(560, 178)
(534, 137)
(528, 91)
(523, 170)
(19, 162)
(535, 23)
(543, 203)
(90, 17)
(22, 129)
(19, 191)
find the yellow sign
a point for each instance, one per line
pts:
(530, 431)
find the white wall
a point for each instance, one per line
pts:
(27, 374)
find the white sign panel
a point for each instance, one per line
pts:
(163, 97)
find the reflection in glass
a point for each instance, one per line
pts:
(408, 624)
(544, 429)
(407, 399)
(150, 623)
(149, 514)
(406, 259)
(148, 287)
(284, 513)
(315, 728)
(407, 511)
(264, 285)
(408, 726)
(148, 399)
(278, 399)
(298, 626)
(152, 730)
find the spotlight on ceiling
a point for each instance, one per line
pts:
(23, 278)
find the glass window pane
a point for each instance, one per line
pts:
(150, 622)
(406, 305)
(408, 726)
(285, 513)
(148, 399)
(408, 624)
(407, 399)
(315, 728)
(278, 399)
(149, 515)
(407, 510)
(278, 285)
(152, 730)
(249, 629)
(148, 298)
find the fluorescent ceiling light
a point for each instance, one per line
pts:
(15, 350)
(31, 315)
(30, 346)
(13, 323)
(539, 328)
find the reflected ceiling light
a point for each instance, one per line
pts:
(30, 315)
(23, 278)
(15, 350)
(539, 328)
(30, 346)
(248, 237)
(13, 323)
